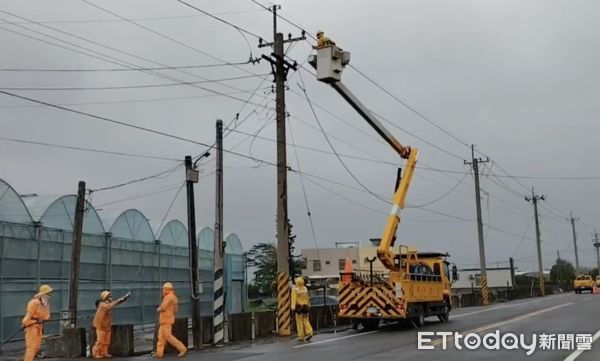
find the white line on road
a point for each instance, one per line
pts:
(509, 321)
(334, 339)
(496, 308)
(576, 354)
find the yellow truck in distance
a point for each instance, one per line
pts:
(583, 283)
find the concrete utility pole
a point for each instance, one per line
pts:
(485, 298)
(534, 199)
(219, 294)
(558, 266)
(512, 270)
(575, 242)
(191, 177)
(597, 245)
(76, 255)
(280, 67)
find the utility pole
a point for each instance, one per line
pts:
(597, 245)
(76, 255)
(280, 67)
(512, 270)
(191, 177)
(534, 199)
(558, 266)
(219, 296)
(484, 285)
(575, 242)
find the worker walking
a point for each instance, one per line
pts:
(322, 40)
(103, 323)
(301, 306)
(38, 311)
(167, 310)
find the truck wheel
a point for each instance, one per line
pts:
(370, 324)
(420, 319)
(445, 316)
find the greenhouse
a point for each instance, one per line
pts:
(120, 252)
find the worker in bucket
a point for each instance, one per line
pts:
(301, 306)
(38, 312)
(103, 323)
(166, 319)
(322, 40)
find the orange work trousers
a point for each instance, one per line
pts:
(165, 334)
(33, 341)
(102, 345)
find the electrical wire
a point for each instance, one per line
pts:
(435, 200)
(133, 86)
(333, 148)
(161, 174)
(91, 70)
(155, 18)
(92, 150)
(216, 18)
(171, 206)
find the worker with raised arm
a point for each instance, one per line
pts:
(38, 311)
(103, 323)
(322, 40)
(301, 307)
(167, 310)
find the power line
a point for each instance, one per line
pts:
(333, 148)
(84, 149)
(134, 86)
(155, 18)
(217, 18)
(161, 174)
(153, 131)
(170, 206)
(86, 70)
(159, 190)
(409, 107)
(435, 200)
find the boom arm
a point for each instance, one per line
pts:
(330, 62)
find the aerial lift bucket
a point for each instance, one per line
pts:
(347, 275)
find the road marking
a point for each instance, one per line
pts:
(503, 323)
(495, 308)
(576, 353)
(334, 339)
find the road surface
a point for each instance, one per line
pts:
(559, 314)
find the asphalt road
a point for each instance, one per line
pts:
(552, 315)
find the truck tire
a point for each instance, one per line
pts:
(420, 319)
(445, 316)
(370, 324)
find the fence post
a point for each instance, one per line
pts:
(38, 240)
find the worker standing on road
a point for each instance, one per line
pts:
(103, 323)
(167, 310)
(322, 40)
(38, 311)
(301, 306)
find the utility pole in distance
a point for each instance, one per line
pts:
(534, 199)
(219, 295)
(575, 242)
(76, 255)
(597, 245)
(191, 177)
(485, 298)
(280, 67)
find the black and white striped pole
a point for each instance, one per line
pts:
(219, 294)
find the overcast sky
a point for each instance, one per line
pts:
(519, 79)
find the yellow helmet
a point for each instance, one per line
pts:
(45, 290)
(168, 286)
(319, 32)
(104, 295)
(299, 282)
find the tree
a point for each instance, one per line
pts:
(263, 256)
(562, 271)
